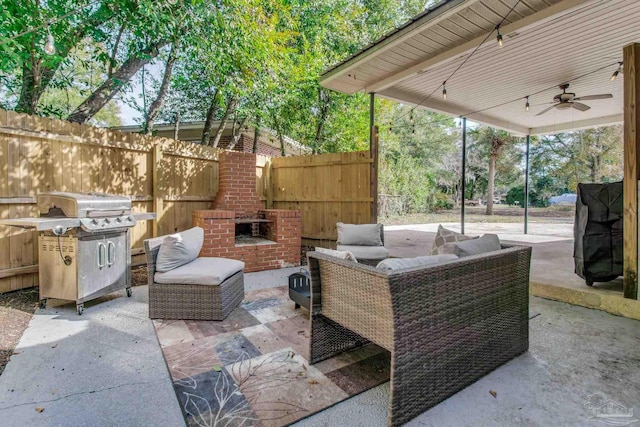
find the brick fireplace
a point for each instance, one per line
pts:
(239, 227)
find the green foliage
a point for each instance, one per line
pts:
(515, 196)
(442, 201)
(418, 160)
(590, 155)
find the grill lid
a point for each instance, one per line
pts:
(82, 205)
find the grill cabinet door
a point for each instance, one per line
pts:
(117, 269)
(104, 264)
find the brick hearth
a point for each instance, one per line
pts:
(236, 199)
(283, 231)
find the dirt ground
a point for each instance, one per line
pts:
(16, 309)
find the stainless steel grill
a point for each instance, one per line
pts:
(84, 244)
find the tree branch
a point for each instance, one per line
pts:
(156, 105)
(107, 90)
(231, 105)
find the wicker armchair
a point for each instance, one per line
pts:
(369, 255)
(445, 325)
(184, 301)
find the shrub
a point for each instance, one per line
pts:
(442, 201)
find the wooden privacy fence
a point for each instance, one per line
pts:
(161, 175)
(38, 154)
(327, 188)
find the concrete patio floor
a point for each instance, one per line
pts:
(114, 373)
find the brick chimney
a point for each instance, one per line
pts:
(237, 184)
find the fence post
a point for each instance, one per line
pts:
(631, 60)
(158, 202)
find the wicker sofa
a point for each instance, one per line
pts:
(445, 325)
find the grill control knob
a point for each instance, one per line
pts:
(129, 219)
(107, 220)
(118, 219)
(94, 221)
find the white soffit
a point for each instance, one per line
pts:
(546, 43)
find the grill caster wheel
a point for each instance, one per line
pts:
(589, 282)
(80, 309)
(43, 303)
(129, 292)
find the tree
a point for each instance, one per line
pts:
(156, 105)
(494, 141)
(76, 77)
(125, 35)
(590, 155)
(418, 160)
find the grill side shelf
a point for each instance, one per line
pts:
(43, 223)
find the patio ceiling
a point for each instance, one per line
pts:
(546, 43)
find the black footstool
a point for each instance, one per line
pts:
(300, 289)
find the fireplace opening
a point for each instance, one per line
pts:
(252, 231)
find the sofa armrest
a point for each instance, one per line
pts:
(457, 321)
(151, 249)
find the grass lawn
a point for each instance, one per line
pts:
(502, 213)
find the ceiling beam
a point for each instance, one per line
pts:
(451, 109)
(440, 13)
(577, 125)
(451, 54)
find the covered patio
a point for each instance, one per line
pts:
(501, 63)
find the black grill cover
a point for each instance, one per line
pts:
(597, 232)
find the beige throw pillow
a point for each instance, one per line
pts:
(445, 241)
(486, 243)
(421, 261)
(179, 249)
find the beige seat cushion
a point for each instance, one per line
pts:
(366, 252)
(201, 271)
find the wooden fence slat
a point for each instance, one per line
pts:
(327, 188)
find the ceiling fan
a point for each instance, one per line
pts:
(566, 100)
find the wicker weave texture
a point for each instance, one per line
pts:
(192, 302)
(452, 323)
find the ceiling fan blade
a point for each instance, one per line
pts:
(593, 97)
(547, 109)
(580, 106)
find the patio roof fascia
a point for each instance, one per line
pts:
(432, 16)
(438, 106)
